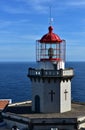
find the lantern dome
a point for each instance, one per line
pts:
(50, 37)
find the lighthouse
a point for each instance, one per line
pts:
(51, 81)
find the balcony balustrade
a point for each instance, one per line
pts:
(50, 73)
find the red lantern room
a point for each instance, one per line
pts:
(50, 48)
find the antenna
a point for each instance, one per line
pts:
(51, 19)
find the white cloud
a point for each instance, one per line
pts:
(4, 23)
(40, 6)
(36, 2)
(76, 3)
(15, 10)
(11, 38)
(28, 9)
(30, 37)
(16, 53)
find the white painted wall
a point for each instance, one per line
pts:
(45, 65)
(60, 65)
(59, 104)
(65, 100)
(37, 89)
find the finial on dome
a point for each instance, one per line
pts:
(50, 29)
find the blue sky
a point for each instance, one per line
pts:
(22, 22)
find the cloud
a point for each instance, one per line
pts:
(4, 24)
(11, 38)
(25, 6)
(18, 32)
(76, 3)
(15, 10)
(34, 5)
(39, 6)
(30, 37)
(16, 53)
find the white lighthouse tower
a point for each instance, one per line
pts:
(51, 82)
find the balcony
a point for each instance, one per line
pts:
(50, 73)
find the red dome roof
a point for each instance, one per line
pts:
(50, 37)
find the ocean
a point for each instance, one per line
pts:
(15, 85)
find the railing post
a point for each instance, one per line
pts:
(42, 72)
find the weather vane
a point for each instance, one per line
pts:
(51, 19)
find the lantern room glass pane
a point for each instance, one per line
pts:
(55, 51)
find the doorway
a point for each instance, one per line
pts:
(37, 103)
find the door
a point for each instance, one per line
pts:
(37, 103)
